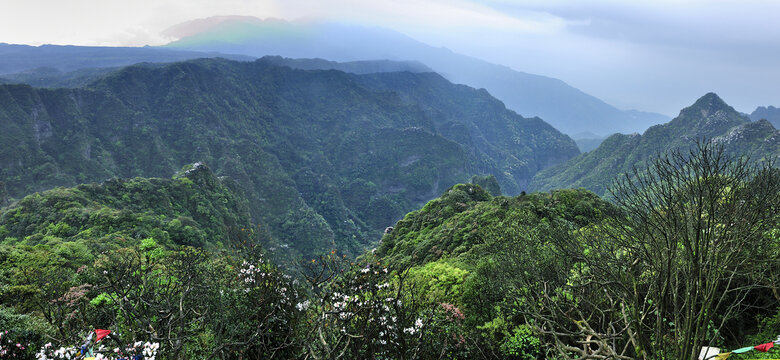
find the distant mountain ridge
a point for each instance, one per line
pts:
(566, 108)
(54, 78)
(66, 58)
(355, 67)
(326, 159)
(367, 49)
(708, 118)
(770, 113)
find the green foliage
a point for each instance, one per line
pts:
(465, 215)
(200, 303)
(469, 276)
(366, 310)
(522, 344)
(323, 157)
(481, 247)
(20, 334)
(323, 160)
(196, 209)
(442, 281)
(488, 182)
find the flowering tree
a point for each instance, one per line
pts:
(365, 310)
(138, 350)
(261, 313)
(203, 305)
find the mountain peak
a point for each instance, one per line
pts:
(709, 116)
(710, 103)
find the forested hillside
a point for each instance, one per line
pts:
(326, 159)
(567, 275)
(194, 208)
(556, 275)
(709, 118)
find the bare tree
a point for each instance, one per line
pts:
(689, 252)
(681, 260)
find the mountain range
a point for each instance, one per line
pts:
(67, 58)
(770, 113)
(325, 158)
(709, 119)
(70, 72)
(566, 108)
(366, 49)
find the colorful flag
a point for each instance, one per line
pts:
(743, 350)
(764, 347)
(101, 334)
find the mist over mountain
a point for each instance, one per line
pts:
(708, 118)
(325, 158)
(566, 108)
(54, 78)
(65, 58)
(355, 67)
(770, 113)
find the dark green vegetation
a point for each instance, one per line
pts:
(119, 255)
(195, 208)
(468, 248)
(685, 257)
(709, 118)
(325, 159)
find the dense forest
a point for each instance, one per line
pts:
(214, 209)
(323, 157)
(686, 255)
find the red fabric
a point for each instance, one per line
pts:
(101, 334)
(764, 347)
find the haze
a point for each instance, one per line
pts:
(653, 56)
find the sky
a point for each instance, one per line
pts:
(652, 55)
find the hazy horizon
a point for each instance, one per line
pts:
(658, 56)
